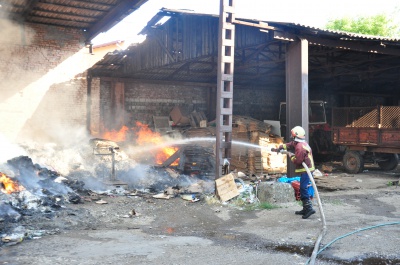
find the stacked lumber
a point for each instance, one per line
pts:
(205, 135)
(198, 119)
(197, 159)
(199, 132)
(272, 162)
(255, 157)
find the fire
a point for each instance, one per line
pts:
(145, 136)
(116, 136)
(8, 185)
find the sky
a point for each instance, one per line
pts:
(315, 13)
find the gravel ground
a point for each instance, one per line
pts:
(144, 230)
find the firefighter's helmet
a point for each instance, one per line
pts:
(298, 133)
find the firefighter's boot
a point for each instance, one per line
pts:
(302, 211)
(308, 209)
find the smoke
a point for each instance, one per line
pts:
(9, 150)
(16, 34)
(7, 212)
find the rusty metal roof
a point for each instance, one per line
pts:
(92, 16)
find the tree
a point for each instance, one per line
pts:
(378, 25)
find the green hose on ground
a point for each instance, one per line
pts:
(348, 234)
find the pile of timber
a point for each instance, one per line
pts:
(205, 136)
(199, 132)
(198, 119)
(197, 160)
(254, 160)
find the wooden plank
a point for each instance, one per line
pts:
(172, 158)
(172, 173)
(226, 187)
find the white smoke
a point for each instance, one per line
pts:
(9, 150)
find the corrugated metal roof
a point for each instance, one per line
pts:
(337, 60)
(343, 34)
(92, 16)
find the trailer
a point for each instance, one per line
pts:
(367, 134)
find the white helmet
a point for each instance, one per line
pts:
(298, 134)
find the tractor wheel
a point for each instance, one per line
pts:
(353, 162)
(389, 162)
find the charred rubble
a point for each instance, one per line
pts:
(41, 194)
(45, 193)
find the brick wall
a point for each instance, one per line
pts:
(145, 100)
(43, 86)
(258, 104)
(95, 108)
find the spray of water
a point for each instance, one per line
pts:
(175, 142)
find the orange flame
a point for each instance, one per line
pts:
(9, 186)
(145, 135)
(116, 136)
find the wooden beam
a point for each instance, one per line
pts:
(67, 10)
(28, 7)
(94, 6)
(260, 24)
(65, 17)
(58, 22)
(113, 17)
(173, 157)
(162, 46)
(152, 81)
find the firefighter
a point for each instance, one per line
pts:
(302, 153)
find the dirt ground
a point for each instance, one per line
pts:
(140, 229)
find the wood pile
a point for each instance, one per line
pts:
(198, 119)
(207, 133)
(253, 156)
(197, 160)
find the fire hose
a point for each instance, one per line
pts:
(323, 230)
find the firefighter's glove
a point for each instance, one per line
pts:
(290, 154)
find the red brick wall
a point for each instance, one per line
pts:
(43, 88)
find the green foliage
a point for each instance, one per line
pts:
(259, 206)
(267, 206)
(378, 25)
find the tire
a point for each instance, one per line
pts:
(353, 162)
(390, 162)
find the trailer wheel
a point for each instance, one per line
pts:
(390, 162)
(353, 162)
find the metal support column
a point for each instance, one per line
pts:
(89, 103)
(226, 46)
(296, 89)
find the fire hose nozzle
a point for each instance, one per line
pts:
(281, 151)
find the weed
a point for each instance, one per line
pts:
(260, 206)
(267, 206)
(337, 202)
